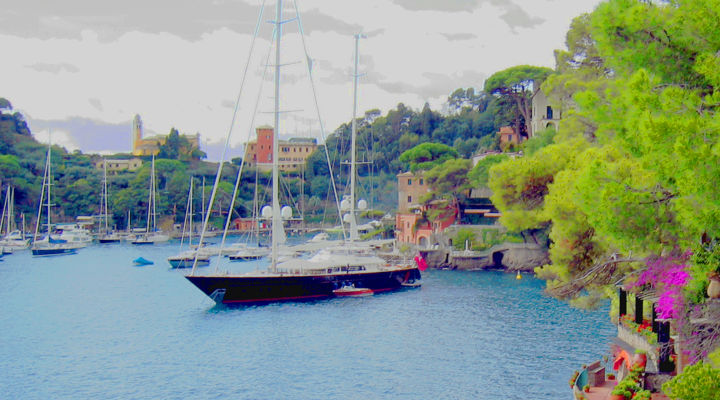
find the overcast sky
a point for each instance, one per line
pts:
(84, 68)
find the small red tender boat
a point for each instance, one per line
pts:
(352, 291)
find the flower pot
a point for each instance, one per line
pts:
(713, 289)
(617, 397)
(640, 359)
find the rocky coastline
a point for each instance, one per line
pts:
(511, 257)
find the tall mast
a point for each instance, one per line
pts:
(11, 210)
(150, 196)
(255, 209)
(153, 195)
(49, 186)
(191, 212)
(276, 220)
(104, 205)
(202, 201)
(353, 222)
(5, 212)
(12, 221)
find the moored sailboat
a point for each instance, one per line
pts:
(187, 258)
(295, 278)
(106, 235)
(151, 234)
(48, 245)
(13, 238)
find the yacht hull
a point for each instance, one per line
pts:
(53, 251)
(265, 289)
(188, 262)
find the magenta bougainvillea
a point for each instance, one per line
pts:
(668, 275)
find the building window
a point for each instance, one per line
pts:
(409, 182)
(549, 112)
(421, 181)
(409, 199)
(509, 138)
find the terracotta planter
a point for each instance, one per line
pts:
(640, 359)
(713, 289)
(617, 397)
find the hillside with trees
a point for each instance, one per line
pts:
(627, 188)
(469, 124)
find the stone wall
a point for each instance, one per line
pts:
(515, 257)
(524, 257)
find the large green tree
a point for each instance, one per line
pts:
(517, 84)
(427, 155)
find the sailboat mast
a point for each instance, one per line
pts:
(276, 221)
(150, 196)
(255, 209)
(11, 214)
(190, 209)
(104, 206)
(13, 221)
(42, 194)
(5, 212)
(353, 223)
(49, 187)
(154, 214)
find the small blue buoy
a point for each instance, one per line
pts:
(139, 262)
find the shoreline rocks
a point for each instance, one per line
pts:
(510, 257)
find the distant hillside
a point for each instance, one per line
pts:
(470, 123)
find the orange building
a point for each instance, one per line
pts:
(508, 136)
(246, 224)
(292, 154)
(411, 225)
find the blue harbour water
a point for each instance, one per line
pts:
(91, 325)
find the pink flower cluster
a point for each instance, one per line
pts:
(668, 276)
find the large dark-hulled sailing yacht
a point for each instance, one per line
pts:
(296, 278)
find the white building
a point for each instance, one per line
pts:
(543, 114)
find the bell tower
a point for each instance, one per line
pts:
(136, 132)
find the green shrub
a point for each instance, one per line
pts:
(462, 236)
(697, 382)
(642, 395)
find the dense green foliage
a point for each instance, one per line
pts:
(632, 169)
(697, 382)
(427, 155)
(178, 147)
(426, 135)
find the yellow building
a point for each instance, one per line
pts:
(150, 146)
